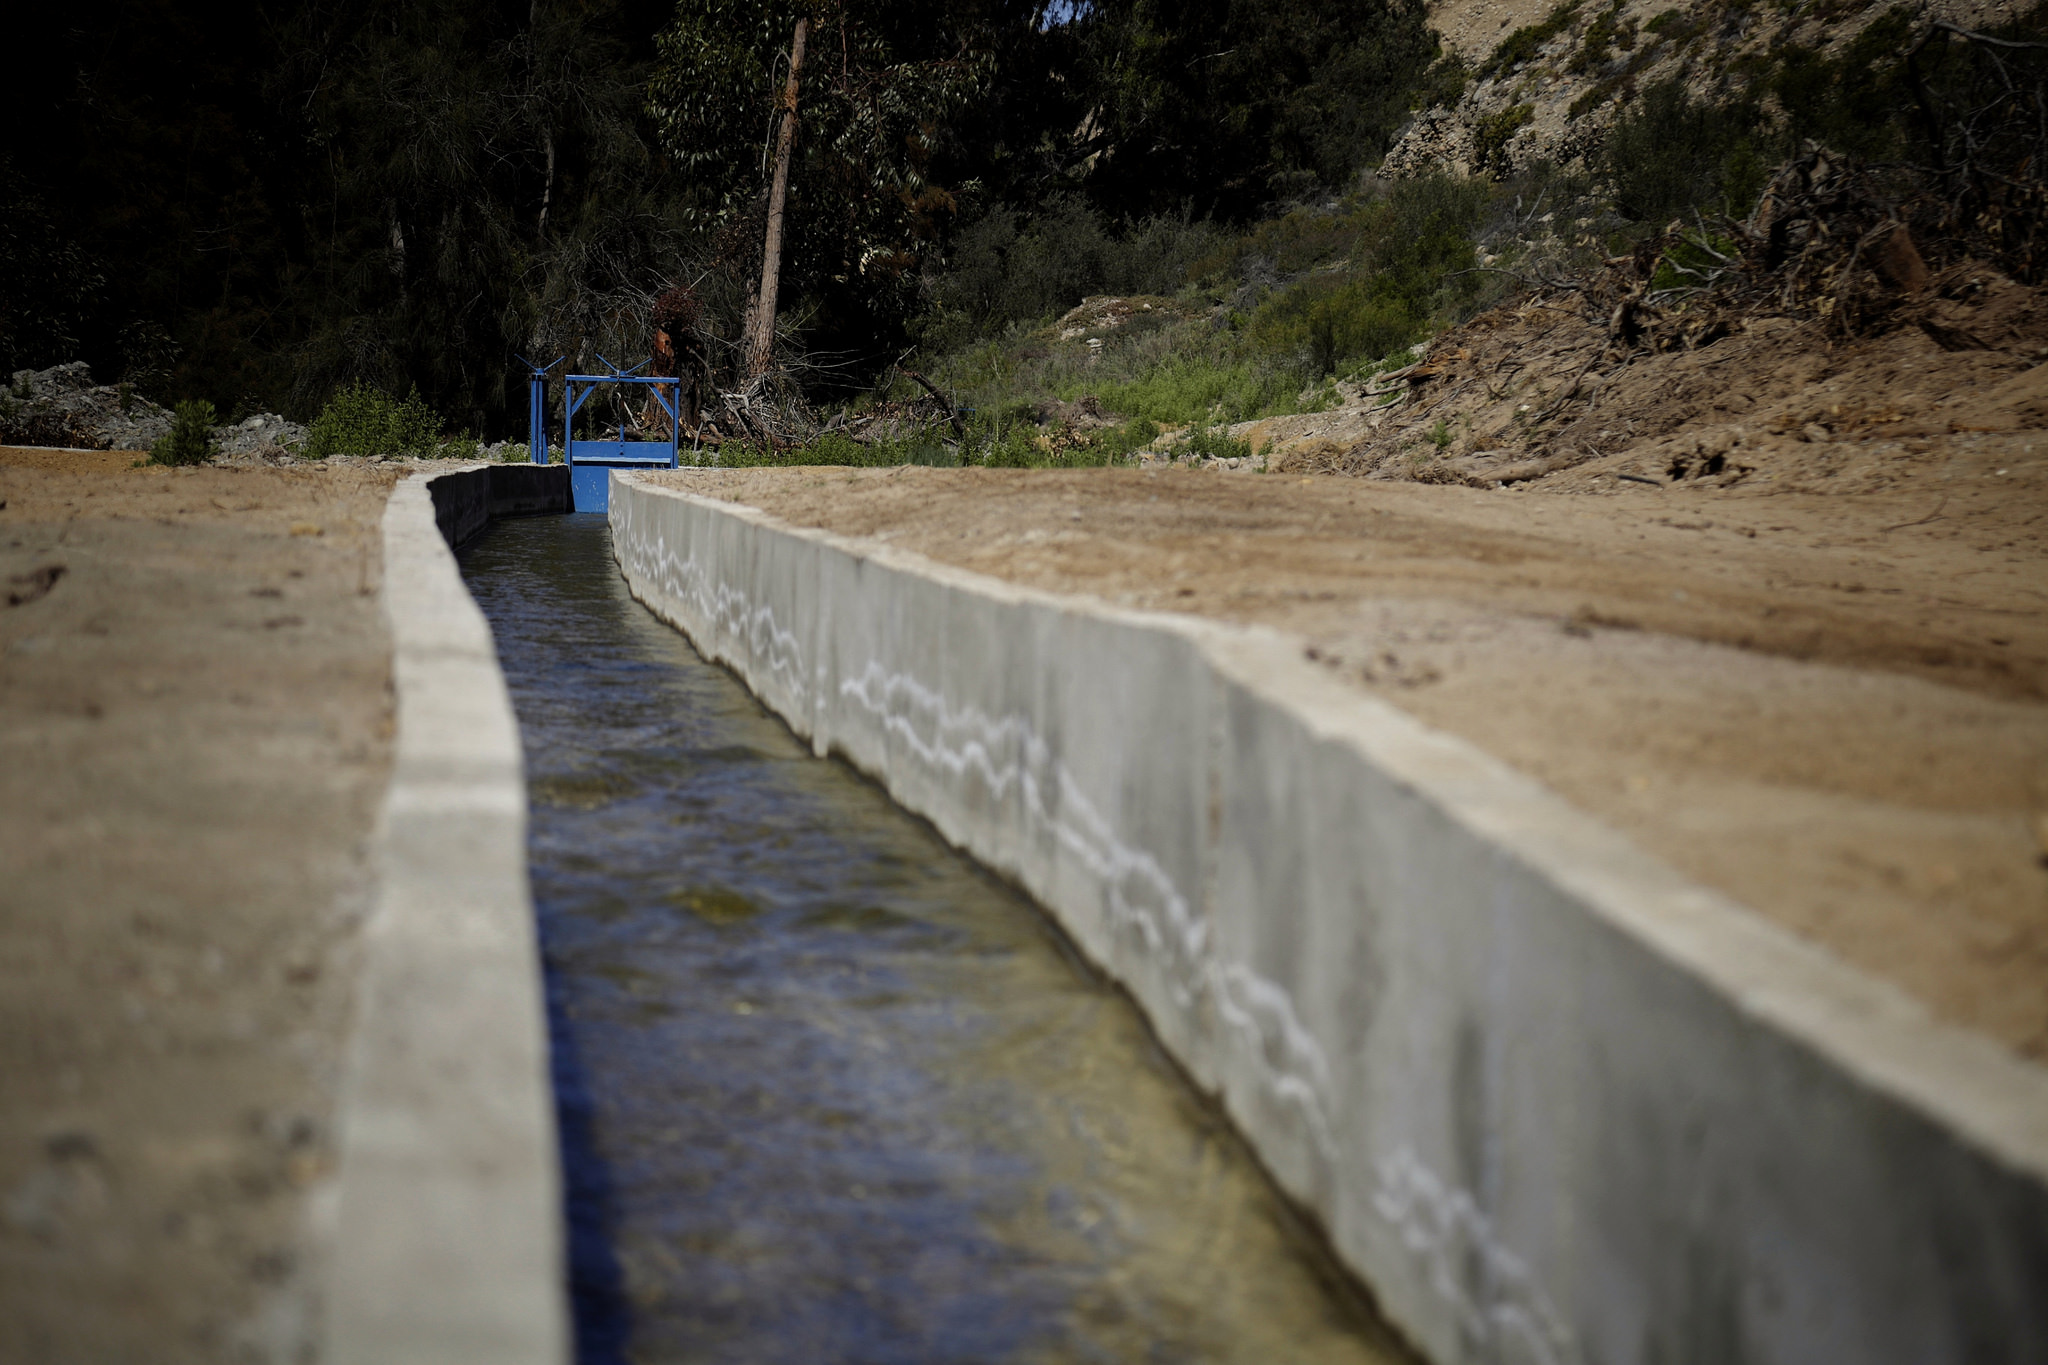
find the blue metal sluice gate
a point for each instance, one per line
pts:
(591, 461)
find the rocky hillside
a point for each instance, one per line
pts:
(1844, 325)
(1546, 82)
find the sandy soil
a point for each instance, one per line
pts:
(1830, 707)
(194, 722)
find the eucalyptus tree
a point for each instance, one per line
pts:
(882, 87)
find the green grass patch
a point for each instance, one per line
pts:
(1181, 391)
(832, 449)
(1208, 443)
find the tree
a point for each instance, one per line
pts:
(760, 343)
(1228, 106)
(883, 83)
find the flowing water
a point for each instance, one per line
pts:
(829, 1092)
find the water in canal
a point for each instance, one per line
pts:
(829, 1092)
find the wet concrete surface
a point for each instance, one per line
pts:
(829, 1091)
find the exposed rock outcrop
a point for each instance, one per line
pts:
(61, 406)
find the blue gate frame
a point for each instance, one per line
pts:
(591, 462)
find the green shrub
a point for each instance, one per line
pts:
(361, 420)
(1606, 32)
(1118, 444)
(927, 447)
(838, 449)
(1444, 83)
(1524, 43)
(1405, 252)
(190, 439)
(1333, 321)
(1016, 448)
(998, 272)
(1301, 240)
(1851, 102)
(1671, 152)
(1665, 155)
(1281, 308)
(1691, 260)
(1490, 138)
(1007, 439)
(1207, 443)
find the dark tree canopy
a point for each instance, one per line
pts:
(1231, 105)
(262, 203)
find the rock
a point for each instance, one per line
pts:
(265, 435)
(61, 406)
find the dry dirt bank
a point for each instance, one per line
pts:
(194, 726)
(1829, 706)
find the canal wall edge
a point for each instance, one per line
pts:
(1552, 1102)
(446, 1242)
(469, 497)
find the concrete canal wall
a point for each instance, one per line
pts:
(468, 499)
(447, 1229)
(1552, 1102)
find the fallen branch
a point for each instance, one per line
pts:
(952, 413)
(1976, 37)
(1935, 515)
(1557, 404)
(1444, 398)
(1532, 281)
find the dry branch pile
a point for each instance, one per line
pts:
(1833, 255)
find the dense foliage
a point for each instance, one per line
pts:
(264, 204)
(360, 420)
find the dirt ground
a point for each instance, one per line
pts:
(194, 724)
(1830, 707)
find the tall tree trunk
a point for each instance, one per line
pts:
(760, 348)
(547, 193)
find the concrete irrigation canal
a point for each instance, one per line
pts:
(828, 1090)
(729, 928)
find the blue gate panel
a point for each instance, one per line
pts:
(588, 460)
(591, 487)
(623, 452)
